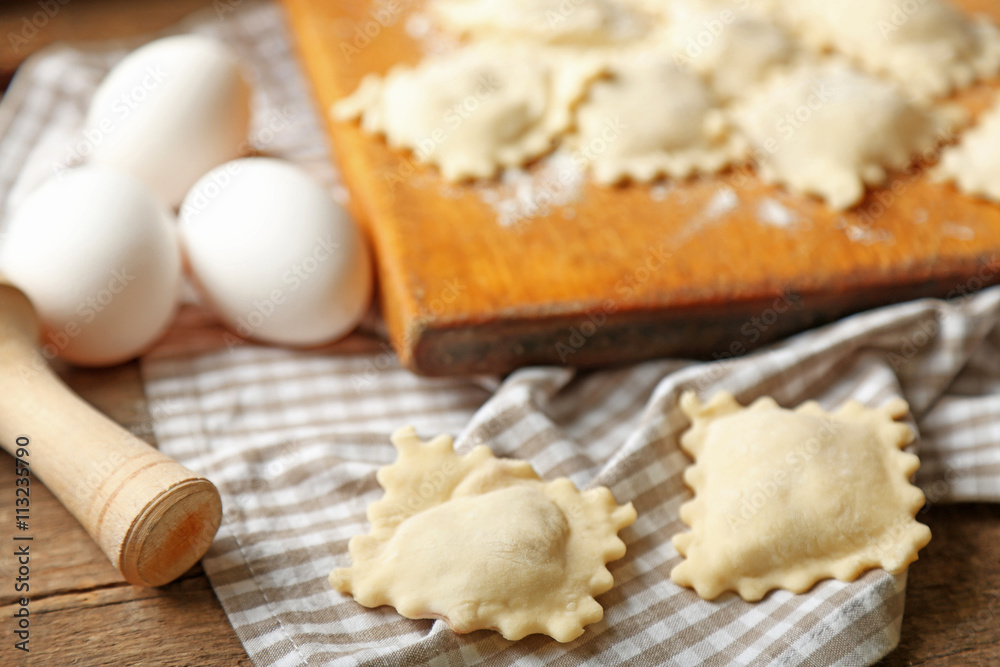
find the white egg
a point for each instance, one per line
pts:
(276, 258)
(98, 256)
(169, 112)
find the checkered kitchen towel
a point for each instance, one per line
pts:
(293, 439)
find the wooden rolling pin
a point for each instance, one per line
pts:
(152, 517)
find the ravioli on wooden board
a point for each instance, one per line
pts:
(540, 251)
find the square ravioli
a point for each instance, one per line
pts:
(784, 498)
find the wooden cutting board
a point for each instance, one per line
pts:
(708, 268)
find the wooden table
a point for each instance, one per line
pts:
(83, 613)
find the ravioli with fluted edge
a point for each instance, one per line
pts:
(578, 23)
(785, 498)
(973, 165)
(484, 543)
(929, 47)
(829, 130)
(475, 111)
(688, 134)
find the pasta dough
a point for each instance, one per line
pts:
(829, 130)
(929, 46)
(474, 111)
(974, 164)
(735, 50)
(638, 89)
(784, 498)
(484, 543)
(619, 138)
(576, 22)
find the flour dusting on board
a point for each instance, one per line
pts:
(957, 231)
(523, 195)
(431, 39)
(724, 201)
(774, 213)
(660, 191)
(864, 235)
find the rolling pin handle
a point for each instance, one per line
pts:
(152, 517)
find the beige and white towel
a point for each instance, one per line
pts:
(293, 439)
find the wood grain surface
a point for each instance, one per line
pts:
(638, 275)
(82, 611)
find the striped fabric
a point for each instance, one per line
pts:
(293, 439)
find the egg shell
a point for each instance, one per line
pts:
(98, 256)
(274, 256)
(169, 112)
